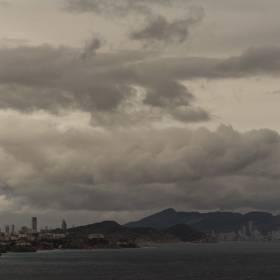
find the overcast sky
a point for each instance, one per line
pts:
(114, 109)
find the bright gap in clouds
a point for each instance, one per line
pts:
(244, 103)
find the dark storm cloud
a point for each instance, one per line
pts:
(54, 79)
(160, 29)
(254, 61)
(33, 78)
(93, 170)
(261, 60)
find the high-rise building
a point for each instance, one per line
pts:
(13, 229)
(250, 228)
(34, 224)
(64, 225)
(244, 231)
(7, 229)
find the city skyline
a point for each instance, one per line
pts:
(34, 227)
(248, 231)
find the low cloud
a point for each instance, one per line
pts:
(85, 168)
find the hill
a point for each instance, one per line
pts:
(115, 232)
(185, 233)
(206, 222)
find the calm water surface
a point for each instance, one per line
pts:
(225, 261)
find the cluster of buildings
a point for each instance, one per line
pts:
(30, 239)
(26, 234)
(247, 232)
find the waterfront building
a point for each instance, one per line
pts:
(250, 228)
(64, 225)
(34, 225)
(94, 236)
(7, 229)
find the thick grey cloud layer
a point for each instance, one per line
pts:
(34, 78)
(136, 169)
(54, 79)
(118, 160)
(256, 60)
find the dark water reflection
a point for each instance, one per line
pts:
(225, 261)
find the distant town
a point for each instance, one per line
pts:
(30, 238)
(105, 235)
(248, 232)
(167, 226)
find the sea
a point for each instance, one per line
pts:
(212, 261)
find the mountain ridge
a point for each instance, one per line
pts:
(219, 221)
(114, 231)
